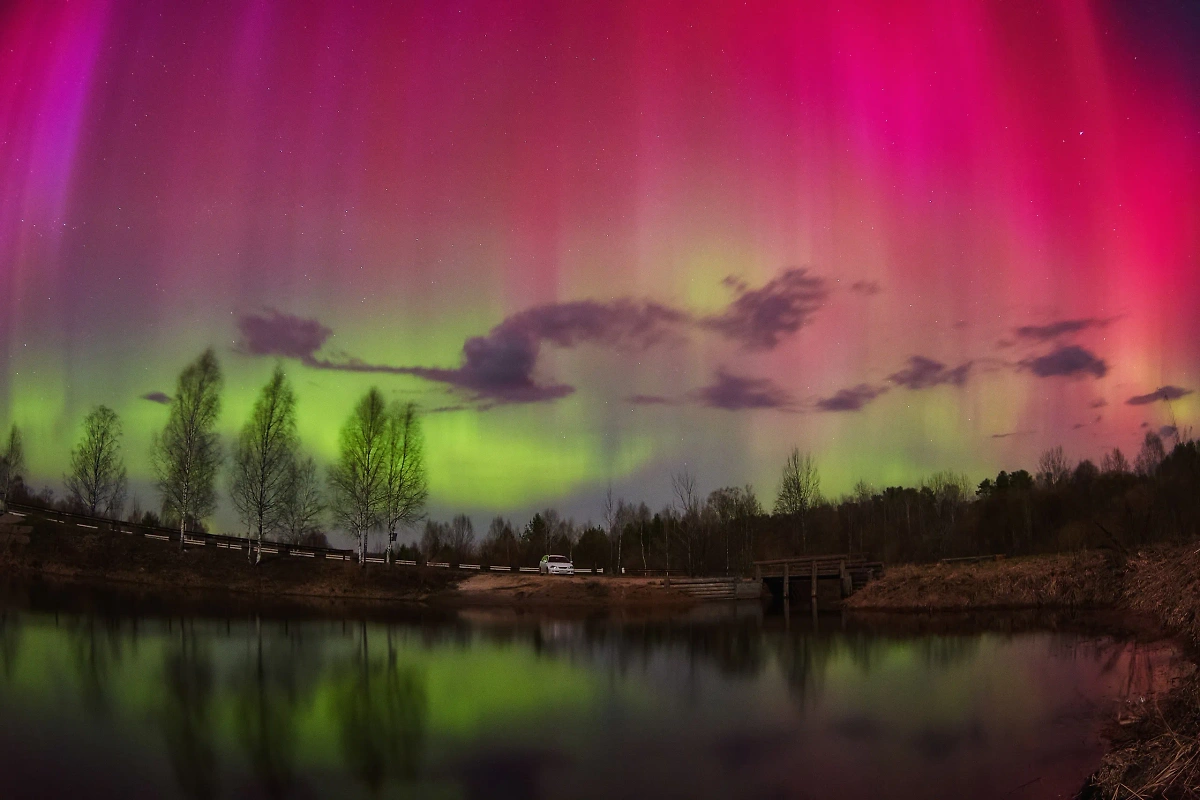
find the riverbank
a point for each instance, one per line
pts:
(152, 571)
(1155, 740)
(1063, 581)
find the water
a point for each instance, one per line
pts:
(720, 703)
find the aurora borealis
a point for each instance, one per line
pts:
(599, 241)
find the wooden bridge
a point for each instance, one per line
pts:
(783, 575)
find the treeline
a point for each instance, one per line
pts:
(377, 481)
(1061, 506)
(378, 484)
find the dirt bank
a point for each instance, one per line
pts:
(148, 572)
(71, 553)
(1087, 580)
(1156, 748)
(543, 591)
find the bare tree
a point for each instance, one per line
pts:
(461, 539)
(357, 484)
(683, 486)
(302, 505)
(98, 479)
(1114, 463)
(626, 517)
(12, 465)
(642, 519)
(263, 458)
(609, 509)
(1053, 469)
(799, 490)
(405, 487)
(434, 538)
(187, 454)
(1151, 454)
(500, 538)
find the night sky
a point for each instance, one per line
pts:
(600, 241)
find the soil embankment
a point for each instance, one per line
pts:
(148, 570)
(524, 590)
(1085, 580)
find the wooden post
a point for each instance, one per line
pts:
(814, 584)
(758, 573)
(786, 592)
(847, 587)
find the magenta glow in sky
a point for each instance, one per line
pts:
(599, 241)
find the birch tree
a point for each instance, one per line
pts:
(12, 464)
(357, 480)
(799, 490)
(683, 486)
(264, 456)
(303, 504)
(98, 477)
(405, 487)
(187, 454)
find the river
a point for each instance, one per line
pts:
(722, 702)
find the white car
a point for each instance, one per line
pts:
(556, 565)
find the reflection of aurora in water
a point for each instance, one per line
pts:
(726, 707)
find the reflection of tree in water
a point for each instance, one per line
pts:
(943, 652)
(804, 659)
(381, 708)
(265, 707)
(95, 650)
(732, 647)
(10, 643)
(866, 650)
(187, 718)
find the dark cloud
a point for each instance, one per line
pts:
(1168, 431)
(851, 399)
(735, 393)
(275, 334)
(157, 397)
(499, 367)
(1067, 361)
(1053, 330)
(649, 400)
(621, 324)
(759, 318)
(1098, 403)
(923, 373)
(1161, 393)
(866, 287)
(1010, 433)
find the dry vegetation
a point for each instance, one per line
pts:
(1157, 755)
(1084, 580)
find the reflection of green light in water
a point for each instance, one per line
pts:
(469, 689)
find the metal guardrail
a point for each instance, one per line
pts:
(193, 538)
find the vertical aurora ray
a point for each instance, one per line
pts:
(412, 176)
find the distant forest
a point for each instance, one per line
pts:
(378, 485)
